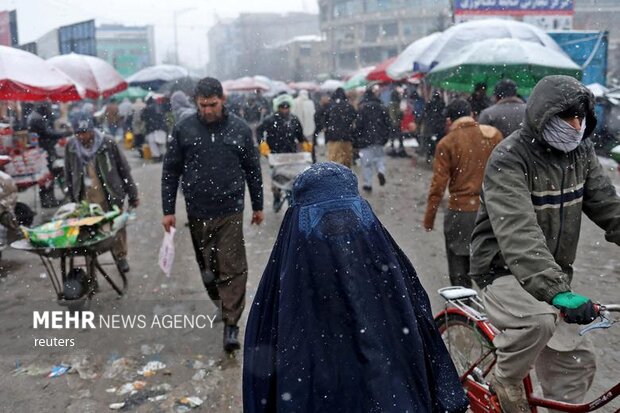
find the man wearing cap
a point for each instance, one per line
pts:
(97, 171)
(213, 154)
(508, 111)
(538, 183)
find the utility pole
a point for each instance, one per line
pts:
(176, 14)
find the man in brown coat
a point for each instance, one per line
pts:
(460, 159)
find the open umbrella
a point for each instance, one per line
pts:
(402, 66)
(154, 77)
(96, 77)
(451, 41)
(184, 84)
(330, 85)
(358, 78)
(378, 74)
(244, 84)
(25, 76)
(310, 86)
(132, 92)
(491, 60)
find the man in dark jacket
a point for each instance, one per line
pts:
(155, 128)
(373, 128)
(213, 154)
(282, 130)
(508, 111)
(537, 184)
(96, 171)
(433, 126)
(479, 100)
(338, 124)
(40, 122)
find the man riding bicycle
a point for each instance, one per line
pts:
(537, 183)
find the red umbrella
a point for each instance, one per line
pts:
(25, 76)
(379, 74)
(95, 76)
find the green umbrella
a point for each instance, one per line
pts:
(132, 92)
(491, 60)
(355, 81)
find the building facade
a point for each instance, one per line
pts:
(127, 48)
(300, 58)
(360, 33)
(243, 46)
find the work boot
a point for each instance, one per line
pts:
(231, 340)
(381, 178)
(511, 397)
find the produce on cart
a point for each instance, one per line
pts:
(77, 231)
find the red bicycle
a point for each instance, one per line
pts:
(468, 335)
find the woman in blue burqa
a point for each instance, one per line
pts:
(340, 322)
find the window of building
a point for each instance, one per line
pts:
(305, 51)
(347, 8)
(370, 55)
(373, 6)
(347, 60)
(371, 32)
(390, 29)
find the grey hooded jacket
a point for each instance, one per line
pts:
(533, 197)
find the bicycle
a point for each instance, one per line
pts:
(468, 336)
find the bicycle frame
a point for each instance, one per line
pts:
(480, 398)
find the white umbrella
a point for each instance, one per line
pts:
(451, 41)
(331, 84)
(402, 67)
(94, 75)
(25, 76)
(154, 77)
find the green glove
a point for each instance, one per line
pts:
(569, 300)
(575, 308)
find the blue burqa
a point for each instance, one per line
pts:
(340, 322)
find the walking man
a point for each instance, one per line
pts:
(338, 124)
(508, 111)
(460, 159)
(213, 154)
(97, 171)
(373, 129)
(537, 184)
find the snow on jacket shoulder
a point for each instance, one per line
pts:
(533, 197)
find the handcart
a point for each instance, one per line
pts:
(75, 285)
(285, 167)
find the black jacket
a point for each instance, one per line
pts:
(281, 133)
(338, 121)
(214, 160)
(154, 119)
(373, 125)
(38, 124)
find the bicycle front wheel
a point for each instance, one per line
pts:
(467, 344)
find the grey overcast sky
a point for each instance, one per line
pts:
(37, 17)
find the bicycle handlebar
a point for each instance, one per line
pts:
(606, 319)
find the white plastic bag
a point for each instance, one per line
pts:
(166, 252)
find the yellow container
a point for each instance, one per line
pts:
(128, 140)
(146, 151)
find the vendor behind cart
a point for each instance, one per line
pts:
(97, 171)
(40, 122)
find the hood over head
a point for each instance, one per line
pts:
(553, 95)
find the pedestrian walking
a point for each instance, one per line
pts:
(537, 184)
(479, 100)
(97, 171)
(340, 321)
(155, 128)
(112, 117)
(181, 106)
(282, 131)
(339, 130)
(319, 121)
(373, 128)
(508, 111)
(214, 156)
(303, 108)
(460, 159)
(433, 126)
(138, 126)
(40, 122)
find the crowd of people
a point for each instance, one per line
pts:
(338, 292)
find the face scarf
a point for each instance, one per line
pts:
(85, 154)
(562, 136)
